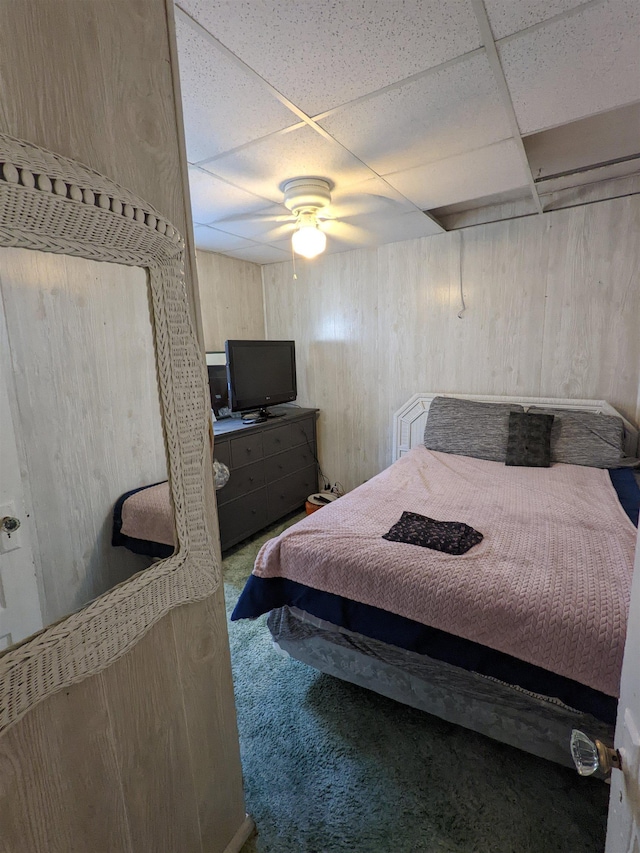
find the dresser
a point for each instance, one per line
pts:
(273, 470)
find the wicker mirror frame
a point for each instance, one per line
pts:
(53, 204)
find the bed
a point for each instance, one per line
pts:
(521, 636)
(143, 519)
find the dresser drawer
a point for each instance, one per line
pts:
(286, 463)
(303, 432)
(275, 440)
(245, 449)
(291, 492)
(222, 451)
(242, 517)
(242, 481)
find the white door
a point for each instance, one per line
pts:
(623, 831)
(20, 613)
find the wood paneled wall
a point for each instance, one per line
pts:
(230, 299)
(143, 757)
(552, 308)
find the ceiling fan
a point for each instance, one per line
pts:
(306, 198)
(311, 217)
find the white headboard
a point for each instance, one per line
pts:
(409, 421)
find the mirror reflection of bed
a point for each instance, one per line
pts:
(78, 368)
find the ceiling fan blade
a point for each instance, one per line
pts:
(358, 204)
(256, 217)
(260, 230)
(280, 232)
(347, 232)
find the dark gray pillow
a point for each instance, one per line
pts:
(586, 438)
(529, 442)
(469, 428)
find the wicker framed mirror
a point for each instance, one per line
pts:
(52, 204)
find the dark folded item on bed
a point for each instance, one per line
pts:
(451, 537)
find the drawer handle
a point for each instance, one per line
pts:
(254, 511)
(251, 479)
(248, 449)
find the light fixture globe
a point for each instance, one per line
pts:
(304, 197)
(308, 241)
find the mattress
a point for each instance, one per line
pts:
(143, 521)
(590, 501)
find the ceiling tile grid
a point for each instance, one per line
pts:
(263, 254)
(509, 16)
(411, 113)
(215, 91)
(575, 67)
(483, 172)
(212, 240)
(262, 168)
(213, 199)
(446, 112)
(323, 53)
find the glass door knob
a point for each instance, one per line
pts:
(590, 755)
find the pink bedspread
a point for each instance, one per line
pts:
(549, 583)
(148, 515)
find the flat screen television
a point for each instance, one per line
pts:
(260, 374)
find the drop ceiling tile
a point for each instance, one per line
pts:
(575, 67)
(261, 255)
(213, 199)
(509, 16)
(211, 240)
(446, 112)
(487, 171)
(262, 168)
(223, 104)
(323, 53)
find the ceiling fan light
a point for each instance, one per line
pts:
(308, 241)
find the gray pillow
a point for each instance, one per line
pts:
(586, 438)
(469, 428)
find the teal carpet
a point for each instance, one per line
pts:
(331, 767)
